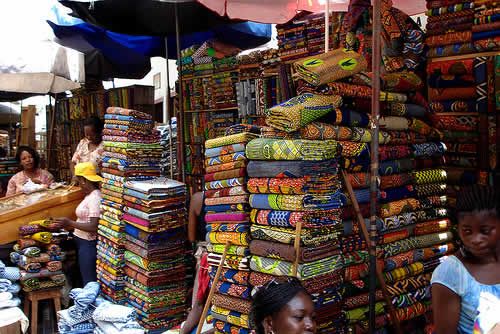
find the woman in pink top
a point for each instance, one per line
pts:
(85, 226)
(90, 148)
(28, 158)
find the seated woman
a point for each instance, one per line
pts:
(90, 148)
(85, 226)
(282, 306)
(465, 283)
(29, 159)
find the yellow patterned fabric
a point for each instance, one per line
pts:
(229, 140)
(301, 110)
(283, 149)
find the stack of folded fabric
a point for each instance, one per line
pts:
(412, 206)
(187, 64)
(92, 314)
(221, 90)
(155, 218)
(249, 65)
(227, 218)
(449, 27)
(131, 149)
(486, 28)
(8, 288)
(294, 181)
(38, 255)
(292, 40)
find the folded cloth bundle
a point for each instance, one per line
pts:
(314, 236)
(128, 112)
(291, 169)
(281, 149)
(411, 256)
(287, 252)
(241, 207)
(148, 264)
(228, 183)
(227, 166)
(231, 275)
(291, 218)
(231, 261)
(229, 200)
(32, 267)
(224, 150)
(304, 271)
(231, 317)
(297, 202)
(231, 303)
(294, 186)
(240, 239)
(230, 140)
(330, 66)
(25, 230)
(155, 281)
(24, 260)
(233, 250)
(397, 247)
(234, 290)
(301, 110)
(222, 159)
(234, 173)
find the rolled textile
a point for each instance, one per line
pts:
(240, 239)
(42, 273)
(153, 281)
(410, 243)
(231, 261)
(226, 192)
(26, 230)
(293, 169)
(240, 227)
(281, 149)
(32, 267)
(330, 66)
(224, 327)
(324, 131)
(449, 38)
(234, 173)
(304, 271)
(294, 186)
(224, 150)
(54, 265)
(350, 90)
(287, 252)
(287, 235)
(453, 67)
(451, 50)
(148, 264)
(436, 94)
(432, 227)
(301, 110)
(398, 207)
(229, 140)
(397, 221)
(406, 110)
(453, 106)
(450, 81)
(297, 202)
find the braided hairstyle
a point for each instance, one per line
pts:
(478, 198)
(271, 298)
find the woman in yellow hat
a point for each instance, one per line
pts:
(85, 226)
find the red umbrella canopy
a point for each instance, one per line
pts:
(282, 11)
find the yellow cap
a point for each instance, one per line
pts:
(87, 170)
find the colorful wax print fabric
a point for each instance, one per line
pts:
(294, 186)
(297, 202)
(279, 149)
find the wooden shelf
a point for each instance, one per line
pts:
(206, 110)
(464, 56)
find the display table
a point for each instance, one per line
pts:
(20, 209)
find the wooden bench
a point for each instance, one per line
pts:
(33, 298)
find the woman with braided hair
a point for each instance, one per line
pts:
(467, 285)
(283, 306)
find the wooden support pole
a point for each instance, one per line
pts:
(366, 236)
(212, 288)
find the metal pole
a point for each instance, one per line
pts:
(374, 160)
(327, 25)
(166, 108)
(180, 121)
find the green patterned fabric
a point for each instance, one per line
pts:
(284, 235)
(278, 267)
(150, 265)
(282, 149)
(301, 110)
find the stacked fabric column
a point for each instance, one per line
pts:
(411, 213)
(449, 27)
(131, 149)
(294, 181)
(38, 255)
(155, 218)
(486, 28)
(227, 218)
(169, 161)
(453, 96)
